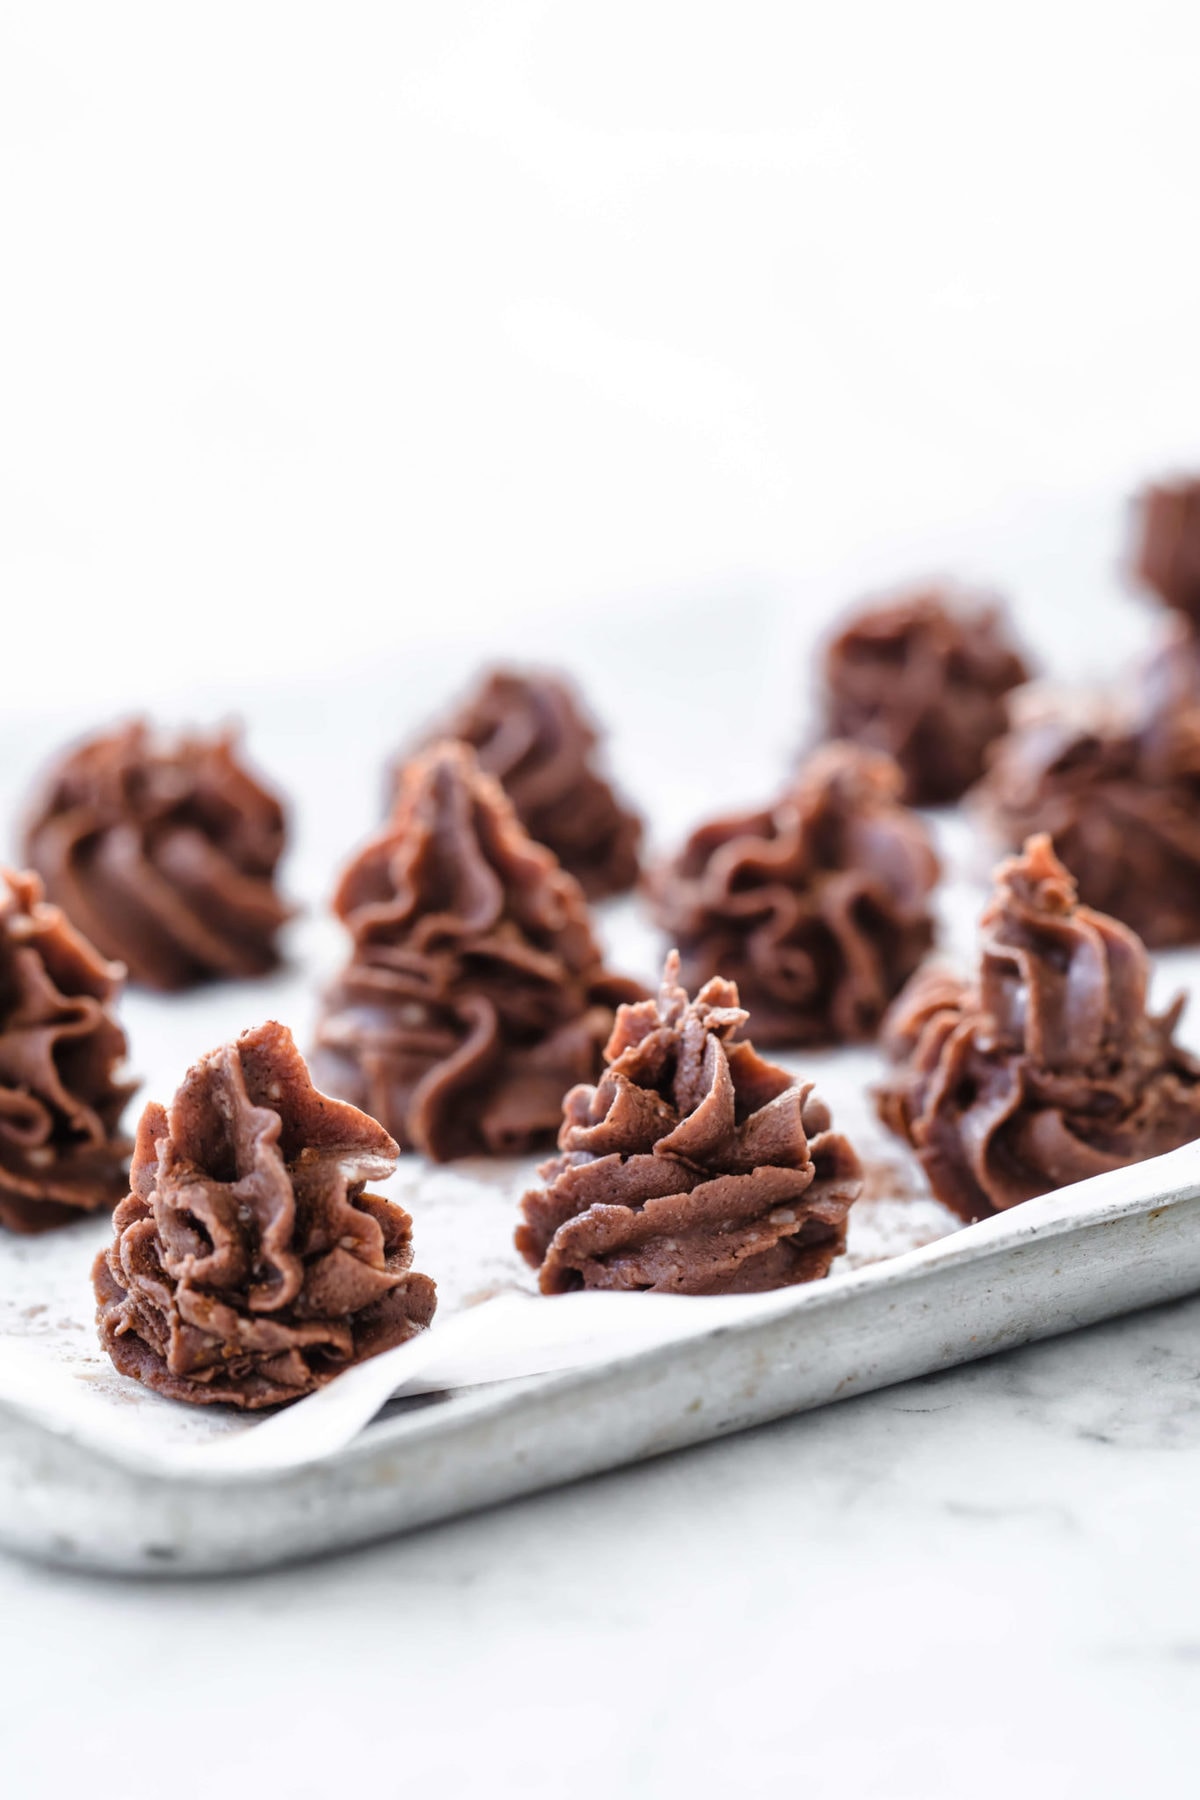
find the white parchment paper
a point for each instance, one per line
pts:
(464, 1214)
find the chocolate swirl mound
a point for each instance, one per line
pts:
(164, 853)
(1045, 1069)
(1167, 554)
(923, 677)
(475, 995)
(249, 1265)
(1118, 793)
(693, 1167)
(1167, 715)
(62, 1152)
(818, 906)
(529, 730)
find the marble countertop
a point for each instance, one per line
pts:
(985, 1582)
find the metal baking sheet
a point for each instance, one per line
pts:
(86, 1471)
(1108, 1246)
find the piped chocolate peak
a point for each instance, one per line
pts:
(1047, 1068)
(163, 850)
(817, 906)
(475, 994)
(1167, 552)
(530, 730)
(1117, 789)
(249, 1264)
(923, 676)
(62, 1151)
(694, 1166)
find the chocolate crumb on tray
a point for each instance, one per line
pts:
(693, 1166)
(476, 993)
(1046, 1067)
(249, 1264)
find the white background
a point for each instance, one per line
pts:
(342, 344)
(334, 330)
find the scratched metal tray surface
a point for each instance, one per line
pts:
(1108, 1246)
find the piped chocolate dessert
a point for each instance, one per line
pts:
(1046, 1067)
(62, 1050)
(693, 1166)
(530, 730)
(1115, 784)
(1166, 556)
(924, 677)
(476, 993)
(817, 906)
(249, 1264)
(163, 851)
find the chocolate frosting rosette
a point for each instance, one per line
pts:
(1167, 553)
(1114, 779)
(164, 852)
(1117, 789)
(923, 677)
(529, 729)
(475, 994)
(249, 1265)
(1045, 1069)
(694, 1166)
(62, 1151)
(818, 906)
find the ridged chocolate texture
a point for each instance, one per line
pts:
(1047, 1068)
(530, 731)
(693, 1167)
(164, 853)
(1118, 796)
(475, 995)
(1167, 718)
(1167, 553)
(923, 677)
(62, 1152)
(817, 907)
(249, 1265)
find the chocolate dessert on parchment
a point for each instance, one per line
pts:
(1114, 781)
(818, 906)
(1044, 1068)
(529, 729)
(249, 1265)
(163, 851)
(476, 993)
(923, 676)
(1166, 556)
(62, 1053)
(693, 1166)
